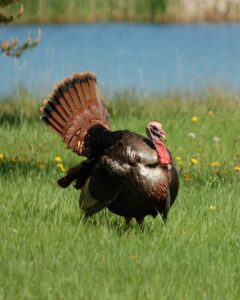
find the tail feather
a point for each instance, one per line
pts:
(78, 88)
(73, 108)
(63, 88)
(73, 94)
(59, 108)
(86, 87)
(86, 90)
(51, 110)
(58, 97)
(50, 124)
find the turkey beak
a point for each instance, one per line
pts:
(163, 135)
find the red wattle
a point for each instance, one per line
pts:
(163, 154)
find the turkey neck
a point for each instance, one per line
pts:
(163, 154)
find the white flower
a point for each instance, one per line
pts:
(192, 135)
(216, 139)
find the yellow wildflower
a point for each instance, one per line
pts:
(179, 161)
(13, 159)
(237, 168)
(212, 207)
(194, 161)
(195, 119)
(215, 164)
(210, 113)
(41, 165)
(1, 156)
(187, 177)
(61, 167)
(58, 158)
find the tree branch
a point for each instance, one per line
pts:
(14, 49)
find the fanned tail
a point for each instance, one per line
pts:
(73, 108)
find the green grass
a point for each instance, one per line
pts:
(48, 251)
(42, 11)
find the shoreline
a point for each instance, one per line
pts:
(67, 21)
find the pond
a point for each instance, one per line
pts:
(155, 58)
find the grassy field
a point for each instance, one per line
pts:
(49, 252)
(42, 11)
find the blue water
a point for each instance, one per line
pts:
(139, 56)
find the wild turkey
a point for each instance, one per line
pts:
(132, 175)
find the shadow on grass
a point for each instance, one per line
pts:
(106, 220)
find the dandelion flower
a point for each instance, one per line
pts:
(58, 158)
(237, 168)
(61, 167)
(212, 207)
(195, 119)
(1, 156)
(41, 165)
(13, 159)
(192, 135)
(215, 164)
(194, 161)
(178, 158)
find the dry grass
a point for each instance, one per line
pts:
(43, 11)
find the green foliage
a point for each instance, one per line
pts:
(7, 2)
(5, 18)
(157, 7)
(49, 252)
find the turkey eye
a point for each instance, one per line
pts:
(154, 128)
